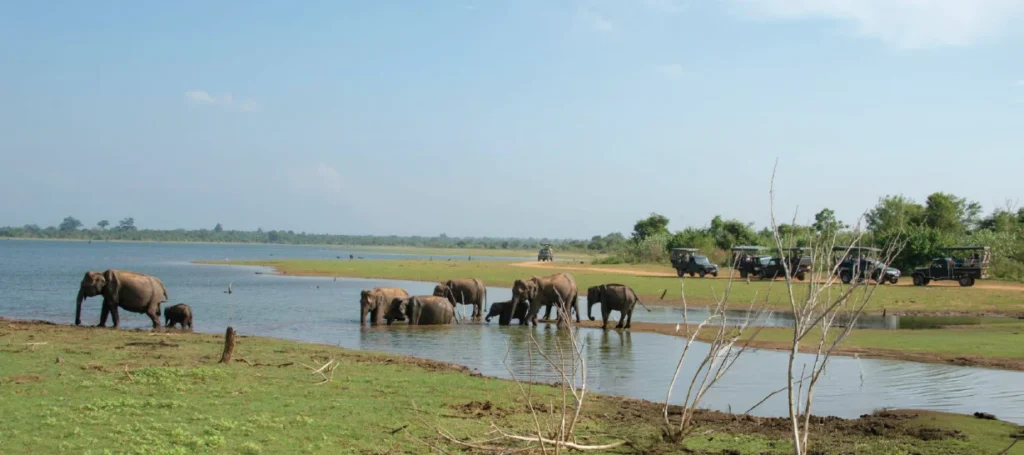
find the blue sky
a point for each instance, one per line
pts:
(518, 118)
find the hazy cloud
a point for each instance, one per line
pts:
(906, 24)
(320, 179)
(671, 70)
(598, 22)
(667, 6)
(1020, 83)
(225, 100)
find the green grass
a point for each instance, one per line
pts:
(898, 299)
(482, 252)
(87, 390)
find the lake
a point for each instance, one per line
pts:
(39, 280)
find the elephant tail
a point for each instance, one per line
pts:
(641, 302)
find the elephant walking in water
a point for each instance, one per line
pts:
(617, 297)
(135, 292)
(422, 310)
(467, 291)
(377, 301)
(178, 314)
(546, 291)
(503, 310)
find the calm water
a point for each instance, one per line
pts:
(40, 280)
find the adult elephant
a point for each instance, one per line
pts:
(377, 301)
(547, 291)
(503, 310)
(422, 310)
(135, 292)
(617, 297)
(467, 291)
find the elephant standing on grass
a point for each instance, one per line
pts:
(617, 297)
(376, 302)
(135, 292)
(178, 314)
(422, 310)
(546, 291)
(467, 291)
(503, 310)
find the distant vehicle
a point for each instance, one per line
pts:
(861, 263)
(799, 265)
(747, 259)
(966, 269)
(546, 253)
(686, 261)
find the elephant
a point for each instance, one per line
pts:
(503, 310)
(376, 302)
(467, 291)
(422, 310)
(135, 292)
(546, 291)
(178, 314)
(613, 296)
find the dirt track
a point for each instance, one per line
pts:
(995, 286)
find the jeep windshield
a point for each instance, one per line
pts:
(702, 260)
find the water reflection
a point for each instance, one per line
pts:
(40, 282)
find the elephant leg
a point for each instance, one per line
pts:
(622, 318)
(154, 316)
(104, 312)
(115, 316)
(605, 312)
(547, 312)
(375, 316)
(629, 318)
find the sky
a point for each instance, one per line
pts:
(525, 118)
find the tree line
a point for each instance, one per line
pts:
(125, 230)
(943, 220)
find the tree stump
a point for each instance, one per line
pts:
(229, 345)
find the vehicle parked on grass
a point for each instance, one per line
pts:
(748, 259)
(687, 261)
(799, 265)
(546, 253)
(965, 269)
(861, 262)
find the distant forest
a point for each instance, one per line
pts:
(125, 230)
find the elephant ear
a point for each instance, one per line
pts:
(112, 289)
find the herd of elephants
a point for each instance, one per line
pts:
(141, 293)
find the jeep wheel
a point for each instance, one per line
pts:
(894, 279)
(743, 274)
(918, 280)
(679, 273)
(760, 274)
(846, 276)
(692, 274)
(702, 273)
(800, 276)
(714, 274)
(965, 281)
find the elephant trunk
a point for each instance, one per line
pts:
(78, 307)
(362, 314)
(590, 310)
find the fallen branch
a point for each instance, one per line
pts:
(261, 364)
(566, 444)
(126, 372)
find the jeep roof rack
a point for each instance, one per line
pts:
(856, 248)
(749, 248)
(689, 250)
(964, 248)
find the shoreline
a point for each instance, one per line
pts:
(994, 362)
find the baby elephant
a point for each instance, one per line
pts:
(503, 310)
(178, 314)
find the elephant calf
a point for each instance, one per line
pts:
(422, 310)
(377, 302)
(503, 310)
(178, 314)
(618, 297)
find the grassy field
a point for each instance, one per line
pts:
(481, 252)
(88, 390)
(893, 299)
